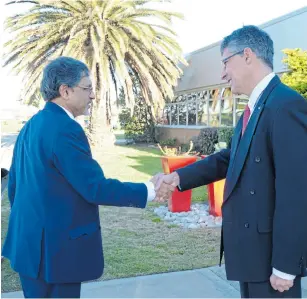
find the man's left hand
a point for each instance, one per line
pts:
(280, 284)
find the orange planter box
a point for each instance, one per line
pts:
(180, 201)
(215, 196)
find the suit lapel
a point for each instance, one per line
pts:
(235, 142)
(242, 148)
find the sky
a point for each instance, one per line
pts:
(205, 22)
(208, 21)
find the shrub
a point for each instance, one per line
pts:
(139, 131)
(124, 117)
(225, 135)
(205, 141)
(140, 127)
(168, 142)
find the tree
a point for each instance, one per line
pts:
(117, 39)
(296, 78)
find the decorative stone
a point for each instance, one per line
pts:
(198, 217)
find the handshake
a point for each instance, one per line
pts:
(165, 185)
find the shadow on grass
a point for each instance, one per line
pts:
(147, 164)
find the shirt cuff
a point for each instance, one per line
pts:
(283, 275)
(151, 193)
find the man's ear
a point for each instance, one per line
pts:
(248, 53)
(64, 91)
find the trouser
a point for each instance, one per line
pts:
(38, 288)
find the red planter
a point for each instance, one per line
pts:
(215, 196)
(180, 201)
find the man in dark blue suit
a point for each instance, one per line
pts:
(264, 231)
(55, 187)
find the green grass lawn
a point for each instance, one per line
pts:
(136, 242)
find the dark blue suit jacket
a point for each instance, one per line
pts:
(55, 188)
(265, 198)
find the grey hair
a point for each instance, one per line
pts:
(250, 37)
(61, 71)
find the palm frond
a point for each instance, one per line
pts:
(120, 41)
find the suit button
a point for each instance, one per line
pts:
(252, 192)
(257, 159)
(246, 225)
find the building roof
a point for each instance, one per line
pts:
(204, 65)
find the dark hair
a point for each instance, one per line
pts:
(61, 71)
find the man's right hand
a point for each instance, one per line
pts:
(165, 185)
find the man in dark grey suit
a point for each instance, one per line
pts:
(264, 231)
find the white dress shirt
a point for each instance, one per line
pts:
(257, 91)
(151, 193)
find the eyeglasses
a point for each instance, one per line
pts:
(89, 89)
(225, 60)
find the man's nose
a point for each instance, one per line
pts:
(92, 95)
(223, 74)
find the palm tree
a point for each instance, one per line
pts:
(117, 39)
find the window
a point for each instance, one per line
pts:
(210, 107)
(192, 108)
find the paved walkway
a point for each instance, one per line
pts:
(202, 283)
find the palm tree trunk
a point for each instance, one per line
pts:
(100, 130)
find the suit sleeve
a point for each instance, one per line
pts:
(72, 157)
(289, 142)
(206, 171)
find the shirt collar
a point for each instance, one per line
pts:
(260, 87)
(68, 112)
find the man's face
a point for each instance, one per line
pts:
(235, 70)
(81, 97)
